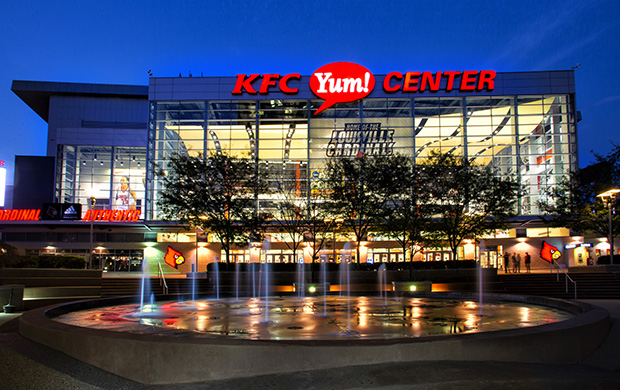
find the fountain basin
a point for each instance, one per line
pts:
(181, 356)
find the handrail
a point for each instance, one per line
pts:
(567, 277)
(162, 278)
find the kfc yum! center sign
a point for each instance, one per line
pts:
(342, 82)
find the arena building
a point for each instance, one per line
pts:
(105, 140)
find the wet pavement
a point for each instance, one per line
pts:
(28, 365)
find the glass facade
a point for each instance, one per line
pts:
(532, 138)
(85, 171)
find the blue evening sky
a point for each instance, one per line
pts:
(117, 42)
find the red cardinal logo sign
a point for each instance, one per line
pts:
(549, 253)
(173, 257)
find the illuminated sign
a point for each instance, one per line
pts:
(20, 215)
(366, 138)
(268, 80)
(2, 183)
(173, 257)
(112, 215)
(549, 253)
(62, 211)
(470, 80)
(341, 82)
(582, 245)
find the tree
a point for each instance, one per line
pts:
(408, 205)
(353, 191)
(574, 203)
(217, 194)
(468, 199)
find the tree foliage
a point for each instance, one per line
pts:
(573, 201)
(468, 200)
(355, 193)
(407, 206)
(217, 194)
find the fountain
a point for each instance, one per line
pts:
(219, 338)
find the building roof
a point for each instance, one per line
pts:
(36, 94)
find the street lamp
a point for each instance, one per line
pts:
(92, 207)
(607, 197)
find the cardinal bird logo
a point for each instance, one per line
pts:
(549, 253)
(173, 257)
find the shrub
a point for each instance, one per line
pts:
(43, 261)
(332, 267)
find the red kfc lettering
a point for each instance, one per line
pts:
(246, 84)
(269, 80)
(284, 83)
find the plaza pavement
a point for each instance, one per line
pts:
(28, 365)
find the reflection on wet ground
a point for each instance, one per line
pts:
(316, 318)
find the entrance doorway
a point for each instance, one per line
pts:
(490, 259)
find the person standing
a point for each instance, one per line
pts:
(528, 262)
(506, 262)
(518, 263)
(514, 263)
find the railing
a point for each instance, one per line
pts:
(567, 277)
(162, 278)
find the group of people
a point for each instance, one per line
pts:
(515, 262)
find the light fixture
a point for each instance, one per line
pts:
(609, 197)
(95, 157)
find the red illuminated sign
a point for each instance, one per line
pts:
(244, 83)
(549, 253)
(20, 215)
(173, 257)
(471, 80)
(112, 215)
(341, 82)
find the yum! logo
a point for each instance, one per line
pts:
(338, 82)
(343, 82)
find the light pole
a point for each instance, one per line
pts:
(608, 197)
(92, 220)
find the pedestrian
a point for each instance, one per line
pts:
(528, 262)
(506, 262)
(518, 263)
(514, 263)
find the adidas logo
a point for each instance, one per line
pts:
(70, 212)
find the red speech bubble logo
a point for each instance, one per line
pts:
(341, 82)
